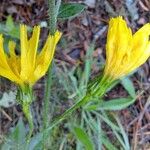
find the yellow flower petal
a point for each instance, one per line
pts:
(45, 57)
(10, 75)
(13, 60)
(27, 67)
(125, 52)
(5, 69)
(118, 41)
(3, 61)
(141, 48)
(11, 46)
(33, 45)
(24, 50)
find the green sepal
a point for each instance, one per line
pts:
(25, 94)
(99, 85)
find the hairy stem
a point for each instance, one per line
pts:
(28, 115)
(78, 104)
(46, 98)
(52, 16)
(60, 118)
(52, 12)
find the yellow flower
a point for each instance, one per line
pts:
(30, 65)
(125, 51)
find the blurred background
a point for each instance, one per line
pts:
(79, 57)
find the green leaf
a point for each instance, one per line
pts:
(83, 138)
(19, 133)
(11, 29)
(116, 104)
(9, 23)
(70, 10)
(16, 139)
(107, 143)
(128, 85)
(36, 142)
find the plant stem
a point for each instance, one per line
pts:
(25, 98)
(47, 97)
(67, 112)
(81, 102)
(48, 82)
(52, 12)
(28, 115)
(52, 16)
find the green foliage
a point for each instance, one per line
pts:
(112, 120)
(116, 104)
(10, 28)
(128, 85)
(70, 10)
(107, 143)
(74, 83)
(36, 142)
(16, 139)
(83, 137)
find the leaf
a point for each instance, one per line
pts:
(107, 143)
(116, 104)
(15, 33)
(9, 23)
(128, 85)
(19, 133)
(16, 139)
(11, 29)
(35, 143)
(83, 138)
(88, 63)
(70, 10)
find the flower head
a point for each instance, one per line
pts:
(125, 51)
(30, 65)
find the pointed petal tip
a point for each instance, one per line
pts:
(118, 18)
(37, 27)
(22, 26)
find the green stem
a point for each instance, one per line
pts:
(52, 12)
(81, 102)
(25, 98)
(28, 115)
(58, 3)
(67, 112)
(47, 97)
(52, 16)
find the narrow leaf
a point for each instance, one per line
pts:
(70, 10)
(128, 85)
(82, 136)
(9, 23)
(107, 143)
(116, 104)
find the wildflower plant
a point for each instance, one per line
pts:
(29, 66)
(125, 52)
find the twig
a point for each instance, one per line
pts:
(139, 124)
(5, 114)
